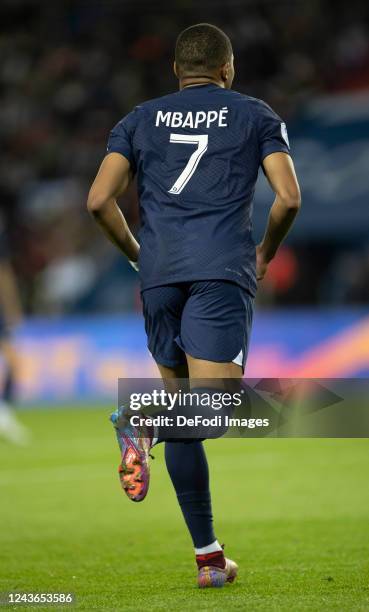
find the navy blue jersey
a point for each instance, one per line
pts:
(197, 153)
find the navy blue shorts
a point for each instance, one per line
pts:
(206, 319)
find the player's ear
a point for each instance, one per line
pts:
(225, 72)
(175, 69)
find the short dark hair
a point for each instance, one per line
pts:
(202, 47)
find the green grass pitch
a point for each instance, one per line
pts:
(293, 513)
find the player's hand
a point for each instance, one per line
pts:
(261, 263)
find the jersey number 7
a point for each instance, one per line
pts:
(201, 140)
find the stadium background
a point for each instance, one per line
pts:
(69, 71)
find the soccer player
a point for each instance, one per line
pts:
(10, 316)
(196, 154)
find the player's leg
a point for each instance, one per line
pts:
(162, 308)
(10, 427)
(215, 330)
(163, 311)
(191, 484)
(11, 366)
(200, 369)
(214, 323)
(215, 326)
(171, 375)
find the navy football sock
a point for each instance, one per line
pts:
(188, 470)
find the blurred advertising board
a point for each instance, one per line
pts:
(81, 359)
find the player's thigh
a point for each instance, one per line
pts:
(175, 378)
(215, 329)
(201, 369)
(162, 309)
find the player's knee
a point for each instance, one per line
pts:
(210, 412)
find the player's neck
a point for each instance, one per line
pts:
(197, 81)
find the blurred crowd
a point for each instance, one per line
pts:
(69, 70)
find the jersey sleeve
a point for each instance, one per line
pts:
(272, 132)
(121, 137)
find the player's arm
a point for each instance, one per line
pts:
(281, 175)
(10, 303)
(112, 181)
